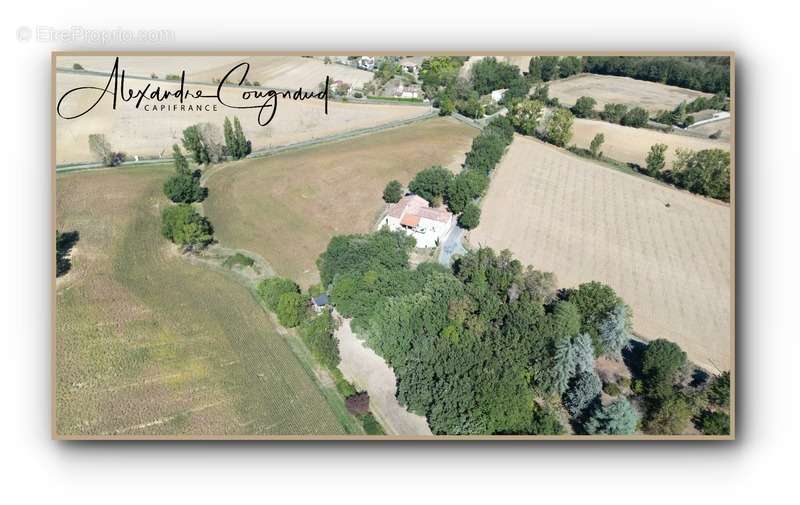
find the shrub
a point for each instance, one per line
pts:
(545, 422)
(636, 117)
(471, 107)
(317, 333)
(611, 389)
(618, 418)
(184, 226)
(184, 189)
(613, 112)
(292, 309)
(719, 390)
(371, 425)
(470, 217)
(77, 66)
(670, 417)
(271, 289)
(446, 106)
(594, 147)
(584, 107)
(705, 172)
(431, 182)
(715, 423)
(655, 159)
(238, 259)
(393, 192)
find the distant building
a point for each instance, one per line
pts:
(498, 95)
(418, 219)
(366, 62)
(396, 88)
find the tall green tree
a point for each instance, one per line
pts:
(617, 418)
(661, 362)
(559, 128)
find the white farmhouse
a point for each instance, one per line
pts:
(418, 219)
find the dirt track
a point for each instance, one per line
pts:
(585, 222)
(366, 370)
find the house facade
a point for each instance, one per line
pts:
(418, 219)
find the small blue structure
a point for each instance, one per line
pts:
(320, 301)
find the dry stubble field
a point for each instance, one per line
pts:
(148, 344)
(287, 207)
(631, 145)
(146, 133)
(652, 96)
(584, 221)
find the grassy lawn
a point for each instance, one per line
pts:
(149, 344)
(287, 207)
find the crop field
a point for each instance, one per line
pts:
(287, 207)
(584, 221)
(631, 145)
(148, 344)
(272, 71)
(652, 96)
(152, 133)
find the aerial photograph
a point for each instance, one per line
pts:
(386, 246)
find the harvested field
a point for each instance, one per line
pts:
(652, 96)
(148, 344)
(152, 133)
(631, 145)
(272, 71)
(584, 221)
(287, 207)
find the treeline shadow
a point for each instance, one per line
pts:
(65, 241)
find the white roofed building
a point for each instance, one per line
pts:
(415, 216)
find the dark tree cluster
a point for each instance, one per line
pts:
(184, 226)
(438, 185)
(65, 241)
(706, 172)
(184, 186)
(635, 117)
(485, 347)
(489, 74)
(703, 73)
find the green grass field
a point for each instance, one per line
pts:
(149, 344)
(287, 207)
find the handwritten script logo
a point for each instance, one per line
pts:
(264, 100)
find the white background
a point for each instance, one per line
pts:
(760, 467)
